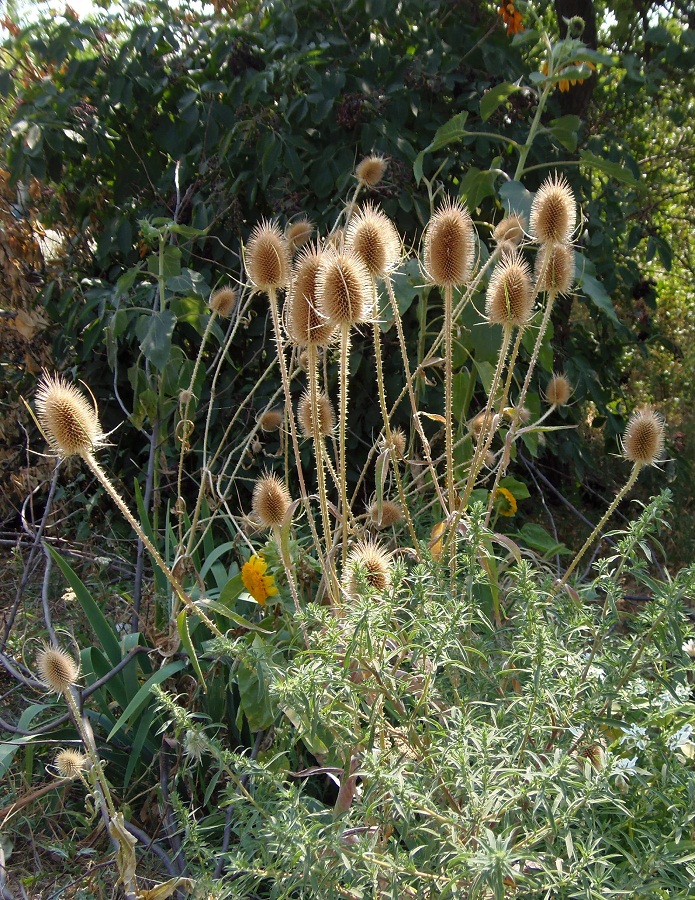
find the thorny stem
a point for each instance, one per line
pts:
(135, 525)
(606, 516)
(448, 401)
(342, 420)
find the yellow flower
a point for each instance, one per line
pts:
(436, 540)
(505, 502)
(256, 582)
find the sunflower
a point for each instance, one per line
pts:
(505, 503)
(511, 17)
(256, 582)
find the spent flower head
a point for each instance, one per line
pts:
(69, 421)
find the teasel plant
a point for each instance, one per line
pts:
(373, 238)
(71, 427)
(344, 300)
(642, 445)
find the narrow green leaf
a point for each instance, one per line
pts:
(185, 635)
(143, 696)
(615, 170)
(102, 629)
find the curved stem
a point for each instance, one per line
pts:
(606, 516)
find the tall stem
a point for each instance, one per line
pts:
(137, 528)
(589, 541)
(448, 399)
(342, 422)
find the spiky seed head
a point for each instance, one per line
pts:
(267, 257)
(391, 514)
(477, 423)
(553, 211)
(643, 441)
(70, 763)
(223, 301)
(510, 230)
(326, 417)
(371, 170)
(372, 236)
(271, 419)
(270, 501)
(344, 289)
(67, 418)
(558, 390)
(56, 668)
(449, 245)
(509, 298)
(305, 324)
(370, 561)
(298, 233)
(397, 443)
(554, 268)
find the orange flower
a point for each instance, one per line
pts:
(256, 582)
(511, 17)
(505, 502)
(564, 84)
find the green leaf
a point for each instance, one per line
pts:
(155, 333)
(9, 748)
(222, 610)
(565, 130)
(517, 488)
(536, 537)
(517, 198)
(452, 131)
(185, 635)
(102, 629)
(171, 262)
(615, 170)
(253, 693)
(476, 185)
(495, 97)
(593, 289)
(232, 590)
(143, 696)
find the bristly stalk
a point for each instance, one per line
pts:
(448, 400)
(343, 379)
(387, 421)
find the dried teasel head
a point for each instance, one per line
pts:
(372, 236)
(271, 419)
(449, 250)
(267, 257)
(509, 232)
(56, 668)
(509, 298)
(643, 441)
(391, 514)
(298, 233)
(326, 417)
(558, 390)
(69, 421)
(371, 170)
(270, 501)
(344, 289)
(554, 268)
(305, 324)
(223, 301)
(397, 443)
(553, 211)
(70, 763)
(370, 561)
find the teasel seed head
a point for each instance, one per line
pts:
(372, 236)
(397, 443)
(305, 324)
(509, 231)
(391, 514)
(223, 301)
(555, 268)
(267, 257)
(298, 233)
(477, 423)
(509, 298)
(371, 170)
(643, 441)
(344, 289)
(271, 419)
(67, 418)
(449, 250)
(326, 417)
(56, 668)
(553, 211)
(558, 390)
(70, 763)
(373, 562)
(270, 501)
